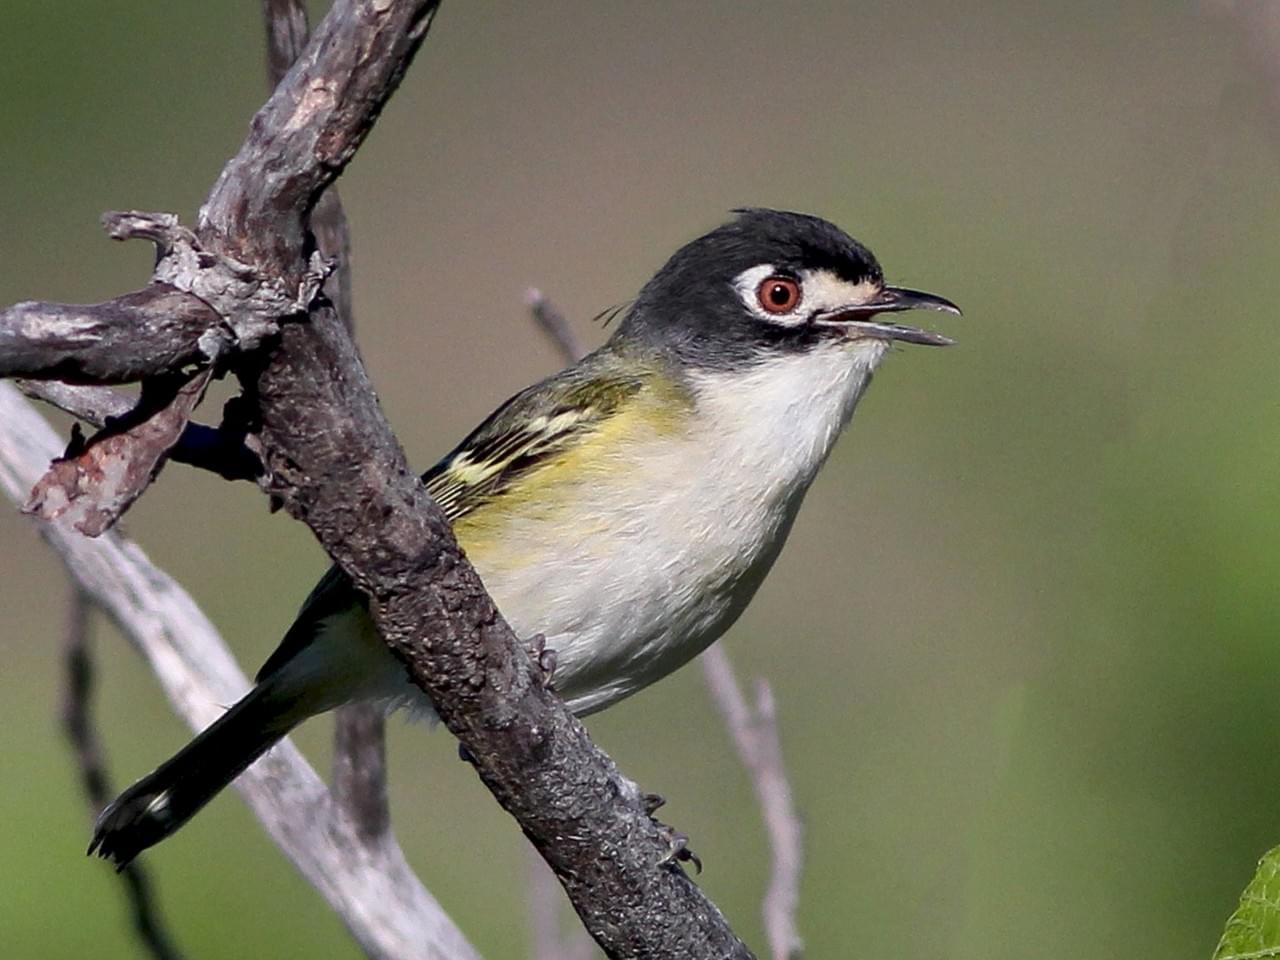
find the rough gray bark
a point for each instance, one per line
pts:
(332, 461)
(146, 333)
(359, 737)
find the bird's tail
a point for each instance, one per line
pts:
(174, 792)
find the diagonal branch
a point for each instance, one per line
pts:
(360, 769)
(333, 458)
(309, 129)
(369, 886)
(333, 462)
(555, 325)
(287, 28)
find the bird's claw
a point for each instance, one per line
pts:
(544, 657)
(678, 850)
(653, 802)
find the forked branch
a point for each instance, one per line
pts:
(331, 459)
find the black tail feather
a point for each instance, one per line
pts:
(174, 792)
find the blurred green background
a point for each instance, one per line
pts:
(1025, 639)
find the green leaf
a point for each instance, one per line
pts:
(1253, 932)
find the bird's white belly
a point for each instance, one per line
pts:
(630, 594)
(664, 555)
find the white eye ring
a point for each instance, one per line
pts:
(758, 288)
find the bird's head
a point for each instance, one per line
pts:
(767, 283)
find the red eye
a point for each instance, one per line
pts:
(778, 294)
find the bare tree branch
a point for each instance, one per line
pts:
(554, 324)
(93, 405)
(287, 28)
(77, 724)
(308, 130)
(369, 886)
(152, 331)
(332, 460)
(359, 743)
(755, 734)
(286, 22)
(334, 463)
(97, 481)
(360, 768)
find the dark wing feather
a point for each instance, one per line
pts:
(519, 436)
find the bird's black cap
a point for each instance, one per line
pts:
(691, 308)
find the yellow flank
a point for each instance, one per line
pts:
(591, 459)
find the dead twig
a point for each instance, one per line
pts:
(553, 323)
(147, 333)
(78, 726)
(96, 481)
(755, 735)
(360, 768)
(219, 450)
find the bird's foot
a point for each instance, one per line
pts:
(544, 657)
(678, 850)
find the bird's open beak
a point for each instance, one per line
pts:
(858, 320)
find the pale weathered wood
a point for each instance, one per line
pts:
(369, 886)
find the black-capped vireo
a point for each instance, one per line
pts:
(626, 508)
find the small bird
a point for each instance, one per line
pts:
(626, 509)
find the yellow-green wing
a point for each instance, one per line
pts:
(524, 433)
(530, 428)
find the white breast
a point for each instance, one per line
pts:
(666, 554)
